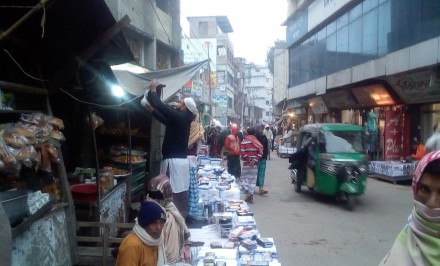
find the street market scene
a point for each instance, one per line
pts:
(219, 133)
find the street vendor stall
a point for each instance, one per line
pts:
(393, 171)
(33, 183)
(40, 58)
(230, 235)
(287, 144)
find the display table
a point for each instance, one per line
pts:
(392, 171)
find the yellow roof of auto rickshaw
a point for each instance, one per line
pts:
(331, 126)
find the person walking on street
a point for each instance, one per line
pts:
(262, 162)
(212, 141)
(269, 135)
(144, 246)
(175, 144)
(232, 144)
(251, 152)
(419, 241)
(273, 137)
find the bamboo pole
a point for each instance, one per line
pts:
(22, 88)
(83, 57)
(41, 4)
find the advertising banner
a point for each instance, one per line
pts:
(393, 135)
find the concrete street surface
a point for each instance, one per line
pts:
(309, 229)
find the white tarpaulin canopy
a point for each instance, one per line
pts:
(174, 79)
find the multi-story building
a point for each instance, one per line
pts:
(154, 34)
(258, 85)
(280, 80)
(350, 58)
(212, 33)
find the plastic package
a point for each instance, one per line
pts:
(106, 180)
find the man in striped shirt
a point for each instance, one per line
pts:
(251, 152)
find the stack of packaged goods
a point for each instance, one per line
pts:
(233, 239)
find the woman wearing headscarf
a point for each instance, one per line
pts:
(251, 152)
(419, 241)
(175, 232)
(196, 139)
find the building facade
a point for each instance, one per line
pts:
(352, 58)
(154, 34)
(258, 85)
(210, 33)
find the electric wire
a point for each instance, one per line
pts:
(70, 95)
(160, 22)
(100, 105)
(19, 66)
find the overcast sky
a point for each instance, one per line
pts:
(256, 23)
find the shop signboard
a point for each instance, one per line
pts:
(220, 100)
(393, 135)
(417, 87)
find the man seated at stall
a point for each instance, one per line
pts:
(420, 151)
(144, 246)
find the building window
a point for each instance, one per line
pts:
(370, 30)
(267, 113)
(267, 102)
(203, 27)
(230, 102)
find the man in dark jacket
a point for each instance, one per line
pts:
(174, 147)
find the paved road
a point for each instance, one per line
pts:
(313, 230)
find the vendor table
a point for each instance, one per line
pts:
(392, 171)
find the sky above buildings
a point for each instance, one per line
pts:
(256, 23)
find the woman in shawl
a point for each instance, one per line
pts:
(175, 232)
(251, 152)
(196, 139)
(419, 241)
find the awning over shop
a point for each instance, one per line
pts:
(59, 41)
(174, 79)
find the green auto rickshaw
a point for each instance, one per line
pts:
(331, 160)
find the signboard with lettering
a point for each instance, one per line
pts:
(393, 135)
(196, 50)
(320, 10)
(296, 28)
(417, 87)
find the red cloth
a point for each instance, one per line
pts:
(232, 143)
(420, 152)
(251, 150)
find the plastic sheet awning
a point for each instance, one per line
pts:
(173, 78)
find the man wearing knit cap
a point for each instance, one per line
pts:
(175, 143)
(144, 246)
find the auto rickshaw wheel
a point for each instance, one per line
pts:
(351, 202)
(297, 183)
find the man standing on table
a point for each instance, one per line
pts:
(174, 147)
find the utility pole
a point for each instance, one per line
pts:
(208, 44)
(242, 99)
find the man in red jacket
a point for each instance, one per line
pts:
(232, 144)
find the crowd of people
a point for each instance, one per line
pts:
(161, 234)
